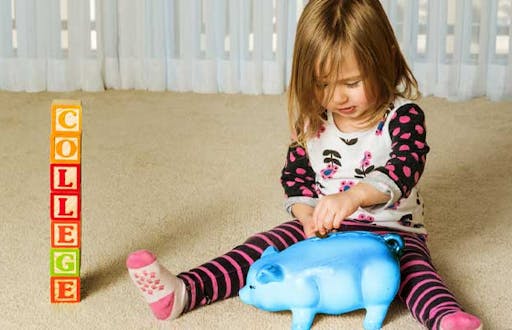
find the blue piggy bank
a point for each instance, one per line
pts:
(343, 272)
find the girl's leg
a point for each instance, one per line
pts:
(425, 294)
(224, 276)
(422, 289)
(217, 279)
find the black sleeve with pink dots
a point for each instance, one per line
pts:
(409, 148)
(297, 176)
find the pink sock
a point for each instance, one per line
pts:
(165, 293)
(460, 321)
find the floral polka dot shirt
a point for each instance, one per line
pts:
(390, 156)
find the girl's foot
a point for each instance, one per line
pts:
(165, 293)
(461, 321)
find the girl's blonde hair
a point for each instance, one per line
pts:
(326, 30)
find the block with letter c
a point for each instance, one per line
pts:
(66, 116)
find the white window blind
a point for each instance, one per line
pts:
(458, 49)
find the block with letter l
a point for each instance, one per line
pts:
(65, 177)
(64, 206)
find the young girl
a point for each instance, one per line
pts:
(357, 154)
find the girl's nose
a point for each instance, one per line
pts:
(339, 96)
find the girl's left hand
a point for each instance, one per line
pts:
(331, 210)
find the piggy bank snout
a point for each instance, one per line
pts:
(269, 274)
(248, 294)
(245, 294)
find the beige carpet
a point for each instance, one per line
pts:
(189, 176)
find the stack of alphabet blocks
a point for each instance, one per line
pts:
(65, 200)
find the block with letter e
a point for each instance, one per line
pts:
(64, 289)
(65, 234)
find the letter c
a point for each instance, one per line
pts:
(62, 119)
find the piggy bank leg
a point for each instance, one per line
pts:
(375, 316)
(302, 318)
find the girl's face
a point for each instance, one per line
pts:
(346, 98)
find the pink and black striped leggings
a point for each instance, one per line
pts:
(421, 288)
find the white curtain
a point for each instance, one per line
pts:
(32, 57)
(458, 49)
(205, 46)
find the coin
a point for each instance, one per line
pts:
(317, 234)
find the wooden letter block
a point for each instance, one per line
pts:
(64, 262)
(65, 234)
(65, 148)
(65, 177)
(65, 289)
(64, 206)
(65, 200)
(66, 116)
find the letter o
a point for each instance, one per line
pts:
(61, 148)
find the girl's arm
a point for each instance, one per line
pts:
(408, 157)
(298, 181)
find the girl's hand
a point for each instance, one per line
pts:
(309, 226)
(331, 210)
(304, 213)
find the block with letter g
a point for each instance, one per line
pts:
(64, 262)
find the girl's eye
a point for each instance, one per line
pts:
(353, 84)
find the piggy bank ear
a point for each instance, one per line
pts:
(269, 251)
(270, 273)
